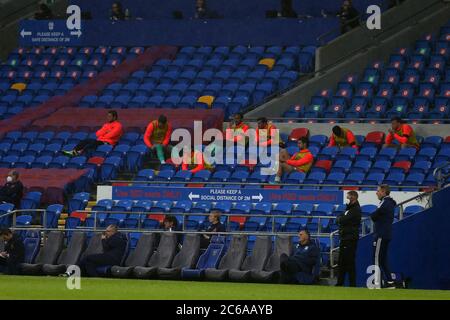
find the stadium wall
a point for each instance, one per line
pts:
(393, 20)
(328, 79)
(20, 9)
(236, 9)
(419, 249)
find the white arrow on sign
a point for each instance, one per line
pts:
(76, 33)
(24, 33)
(193, 196)
(259, 197)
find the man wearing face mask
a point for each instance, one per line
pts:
(12, 191)
(349, 234)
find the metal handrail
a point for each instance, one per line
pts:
(342, 120)
(272, 217)
(419, 197)
(439, 176)
(334, 29)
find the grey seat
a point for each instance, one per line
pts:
(48, 254)
(69, 256)
(256, 261)
(162, 258)
(138, 258)
(186, 258)
(95, 246)
(231, 260)
(283, 244)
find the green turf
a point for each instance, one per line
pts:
(21, 287)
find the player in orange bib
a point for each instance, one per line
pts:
(301, 161)
(401, 132)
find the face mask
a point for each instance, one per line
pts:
(9, 179)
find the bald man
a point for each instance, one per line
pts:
(114, 244)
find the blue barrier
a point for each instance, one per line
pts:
(226, 194)
(420, 248)
(219, 32)
(153, 9)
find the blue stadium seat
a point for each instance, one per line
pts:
(303, 209)
(410, 210)
(182, 206)
(209, 259)
(241, 208)
(223, 206)
(78, 202)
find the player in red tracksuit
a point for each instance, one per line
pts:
(109, 133)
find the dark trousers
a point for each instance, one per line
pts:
(9, 267)
(90, 263)
(288, 269)
(381, 247)
(88, 144)
(347, 255)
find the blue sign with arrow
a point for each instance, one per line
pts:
(226, 194)
(48, 33)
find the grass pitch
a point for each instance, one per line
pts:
(22, 287)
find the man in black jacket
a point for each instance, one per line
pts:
(12, 191)
(299, 268)
(383, 218)
(348, 16)
(13, 254)
(114, 245)
(349, 224)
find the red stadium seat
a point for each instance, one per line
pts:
(239, 219)
(157, 217)
(81, 215)
(405, 165)
(296, 134)
(96, 160)
(376, 137)
(324, 164)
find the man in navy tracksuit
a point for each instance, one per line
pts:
(299, 268)
(383, 218)
(114, 244)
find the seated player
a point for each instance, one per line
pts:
(194, 162)
(237, 128)
(301, 161)
(157, 137)
(270, 132)
(110, 133)
(401, 132)
(342, 137)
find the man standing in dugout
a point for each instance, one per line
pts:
(349, 223)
